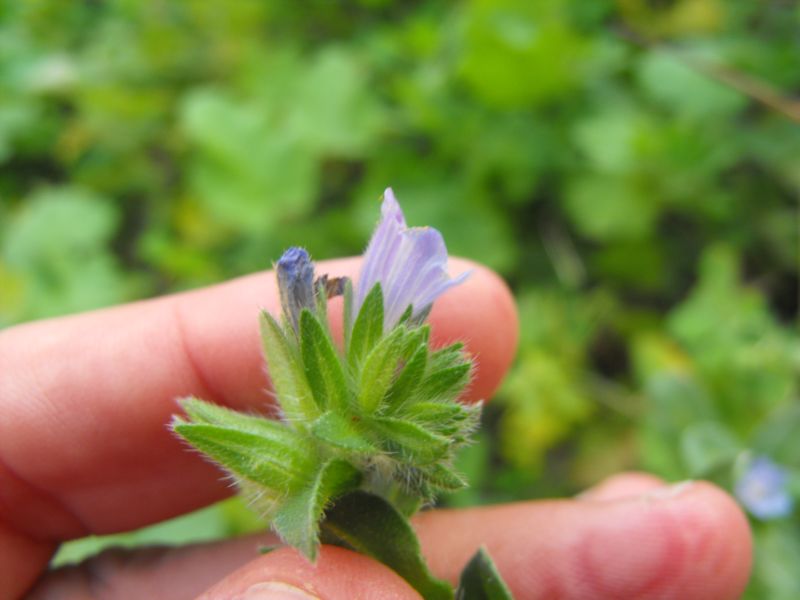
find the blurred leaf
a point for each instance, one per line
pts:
(545, 401)
(59, 248)
(246, 173)
(607, 208)
(776, 436)
(673, 404)
(707, 446)
(671, 80)
(224, 519)
(515, 55)
(734, 341)
(777, 553)
(609, 139)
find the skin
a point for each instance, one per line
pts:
(84, 449)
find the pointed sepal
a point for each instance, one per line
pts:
(286, 372)
(321, 364)
(480, 580)
(367, 327)
(297, 520)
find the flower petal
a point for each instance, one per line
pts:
(763, 490)
(409, 263)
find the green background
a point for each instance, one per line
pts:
(631, 167)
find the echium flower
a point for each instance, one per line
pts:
(379, 415)
(763, 489)
(409, 263)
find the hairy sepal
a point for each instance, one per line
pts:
(322, 365)
(410, 442)
(379, 370)
(272, 461)
(343, 434)
(286, 371)
(297, 520)
(367, 328)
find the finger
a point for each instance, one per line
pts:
(686, 542)
(84, 445)
(226, 570)
(338, 574)
(689, 541)
(159, 572)
(622, 485)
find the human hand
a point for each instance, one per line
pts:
(84, 448)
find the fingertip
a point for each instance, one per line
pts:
(688, 540)
(338, 574)
(482, 313)
(720, 534)
(620, 486)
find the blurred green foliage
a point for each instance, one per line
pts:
(631, 167)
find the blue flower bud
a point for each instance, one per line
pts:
(295, 283)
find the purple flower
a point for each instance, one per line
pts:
(409, 263)
(295, 283)
(763, 490)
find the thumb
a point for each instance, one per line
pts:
(338, 574)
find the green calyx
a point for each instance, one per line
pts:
(379, 415)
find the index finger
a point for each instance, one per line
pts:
(84, 446)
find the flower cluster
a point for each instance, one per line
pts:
(380, 414)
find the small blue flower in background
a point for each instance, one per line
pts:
(763, 489)
(295, 282)
(409, 263)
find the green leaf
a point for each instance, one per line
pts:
(286, 373)
(685, 89)
(406, 316)
(244, 170)
(297, 521)
(417, 336)
(379, 369)
(340, 432)
(411, 441)
(370, 525)
(321, 363)
(368, 327)
(444, 478)
(446, 418)
(348, 312)
(321, 305)
(480, 580)
(611, 208)
(274, 432)
(449, 356)
(409, 379)
(277, 463)
(447, 383)
(708, 445)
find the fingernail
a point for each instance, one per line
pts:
(275, 590)
(668, 492)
